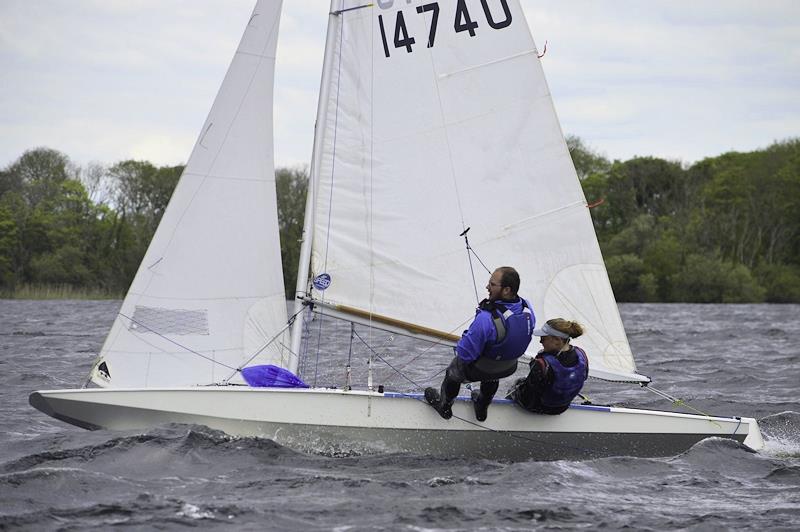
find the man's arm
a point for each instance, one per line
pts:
(474, 340)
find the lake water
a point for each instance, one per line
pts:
(722, 359)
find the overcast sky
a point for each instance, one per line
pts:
(108, 80)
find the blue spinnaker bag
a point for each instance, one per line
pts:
(269, 376)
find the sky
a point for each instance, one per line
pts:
(109, 80)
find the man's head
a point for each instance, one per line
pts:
(503, 283)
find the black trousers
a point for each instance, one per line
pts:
(529, 396)
(487, 372)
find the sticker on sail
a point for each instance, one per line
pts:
(321, 281)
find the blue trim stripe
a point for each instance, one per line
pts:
(397, 395)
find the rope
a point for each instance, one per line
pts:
(170, 340)
(470, 253)
(484, 427)
(469, 260)
(434, 344)
(289, 322)
(677, 402)
(330, 195)
(349, 357)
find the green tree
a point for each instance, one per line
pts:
(663, 256)
(64, 227)
(38, 174)
(292, 186)
(780, 281)
(142, 191)
(708, 279)
(630, 281)
(587, 161)
(8, 245)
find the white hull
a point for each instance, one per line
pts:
(338, 422)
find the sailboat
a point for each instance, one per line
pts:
(434, 124)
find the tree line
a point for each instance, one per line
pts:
(724, 229)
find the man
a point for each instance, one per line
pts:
(489, 350)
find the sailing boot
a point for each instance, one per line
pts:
(483, 398)
(481, 406)
(434, 398)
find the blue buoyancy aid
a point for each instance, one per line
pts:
(514, 332)
(567, 380)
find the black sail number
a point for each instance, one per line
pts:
(434, 7)
(463, 21)
(488, 12)
(401, 38)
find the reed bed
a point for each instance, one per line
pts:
(60, 291)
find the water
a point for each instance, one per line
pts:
(722, 359)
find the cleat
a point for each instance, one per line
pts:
(434, 399)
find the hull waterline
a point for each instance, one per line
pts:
(338, 422)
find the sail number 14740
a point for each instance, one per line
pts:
(463, 21)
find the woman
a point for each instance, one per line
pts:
(557, 373)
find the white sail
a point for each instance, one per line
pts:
(209, 293)
(439, 118)
(412, 146)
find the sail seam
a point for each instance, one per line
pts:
(524, 221)
(226, 298)
(231, 178)
(496, 61)
(254, 54)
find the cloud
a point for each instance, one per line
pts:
(673, 79)
(110, 79)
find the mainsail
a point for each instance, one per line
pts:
(437, 118)
(208, 296)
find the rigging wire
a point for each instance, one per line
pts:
(330, 195)
(469, 261)
(170, 340)
(434, 344)
(288, 324)
(470, 253)
(484, 427)
(676, 401)
(349, 357)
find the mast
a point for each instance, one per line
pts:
(308, 222)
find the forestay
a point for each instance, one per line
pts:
(437, 118)
(209, 292)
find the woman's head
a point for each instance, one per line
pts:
(556, 333)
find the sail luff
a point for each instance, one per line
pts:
(304, 263)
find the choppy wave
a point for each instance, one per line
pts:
(781, 434)
(53, 476)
